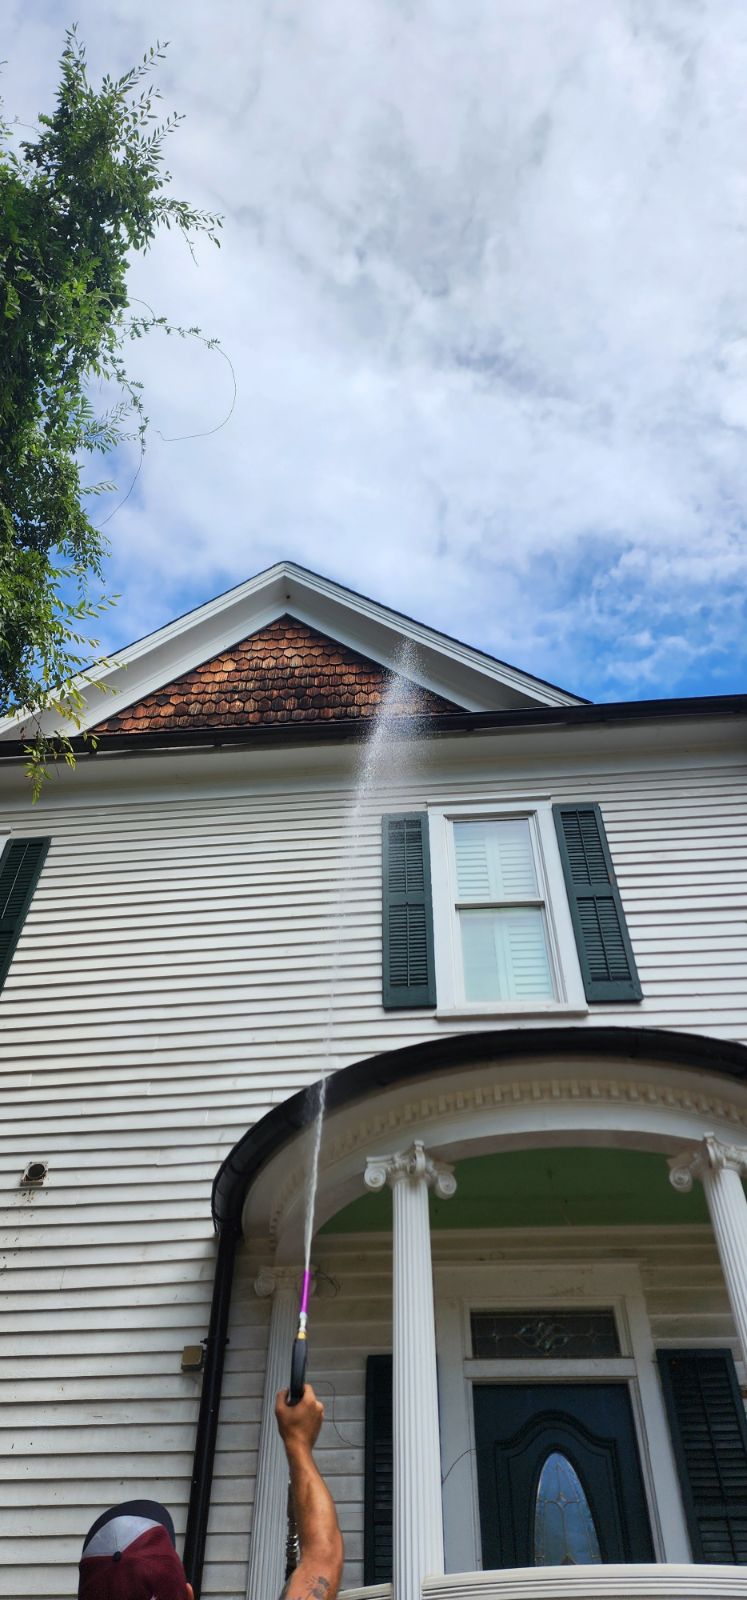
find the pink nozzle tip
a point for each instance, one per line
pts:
(305, 1292)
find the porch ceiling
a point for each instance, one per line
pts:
(545, 1188)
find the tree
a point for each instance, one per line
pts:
(75, 203)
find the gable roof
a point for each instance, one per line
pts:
(469, 678)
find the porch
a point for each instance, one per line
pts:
(393, 1275)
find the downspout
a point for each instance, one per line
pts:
(198, 1511)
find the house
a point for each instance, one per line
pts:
(530, 1254)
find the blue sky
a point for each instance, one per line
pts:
(483, 287)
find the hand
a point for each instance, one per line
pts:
(299, 1424)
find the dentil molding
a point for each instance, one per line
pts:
(436, 1105)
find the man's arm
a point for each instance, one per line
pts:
(317, 1576)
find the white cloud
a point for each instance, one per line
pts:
(484, 288)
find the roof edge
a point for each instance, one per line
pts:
(255, 1148)
(692, 706)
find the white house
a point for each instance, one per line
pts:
(530, 1221)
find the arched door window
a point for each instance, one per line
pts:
(564, 1531)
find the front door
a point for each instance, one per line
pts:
(558, 1474)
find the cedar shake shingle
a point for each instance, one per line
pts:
(285, 673)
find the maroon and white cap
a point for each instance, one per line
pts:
(130, 1554)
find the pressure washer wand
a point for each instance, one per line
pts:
(300, 1346)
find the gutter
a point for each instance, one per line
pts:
(207, 1418)
(255, 1148)
(357, 729)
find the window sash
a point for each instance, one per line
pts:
(505, 953)
(523, 964)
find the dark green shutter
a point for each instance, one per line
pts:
(408, 978)
(709, 1434)
(20, 865)
(379, 1480)
(604, 948)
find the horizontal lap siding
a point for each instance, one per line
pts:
(170, 985)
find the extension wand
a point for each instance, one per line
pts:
(300, 1346)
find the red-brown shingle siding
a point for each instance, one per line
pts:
(285, 673)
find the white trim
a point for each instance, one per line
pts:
(461, 1288)
(634, 1582)
(473, 680)
(569, 989)
(539, 1101)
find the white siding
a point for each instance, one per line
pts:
(171, 983)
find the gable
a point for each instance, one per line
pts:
(458, 675)
(285, 672)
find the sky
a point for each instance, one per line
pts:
(483, 292)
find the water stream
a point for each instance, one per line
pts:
(381, 760)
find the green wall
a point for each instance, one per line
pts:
(545, 1189)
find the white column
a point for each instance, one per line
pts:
(418, 1519)
(721, 1168)
(270, 1520)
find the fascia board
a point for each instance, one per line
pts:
(539, 755)
(474, 681)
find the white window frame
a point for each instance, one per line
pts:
(461, 1289)
(563, 956)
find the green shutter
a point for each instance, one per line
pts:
(20, 865)
(379, 1467)
(709, 1434)
(409, 977)
(604, 948)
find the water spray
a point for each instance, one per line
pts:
(300, 1345)
(377, 750)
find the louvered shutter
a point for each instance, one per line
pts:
(379, 1481)
(604, 948)
(20, 865)
(709, 1434)
(408, 976)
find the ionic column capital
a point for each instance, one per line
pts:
(722, 1156)
(711, 1155)
(415, 1164)
(269, 1279)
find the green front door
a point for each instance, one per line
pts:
(558, 1474)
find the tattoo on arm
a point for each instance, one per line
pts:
(311, 1589)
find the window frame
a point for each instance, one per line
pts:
(570, 998)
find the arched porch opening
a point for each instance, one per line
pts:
(613, 1106)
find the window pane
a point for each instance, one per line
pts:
(564, 1532)
(504, 1335)
(505, 955)
(494, 860)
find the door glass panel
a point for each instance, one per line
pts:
(564, 1531)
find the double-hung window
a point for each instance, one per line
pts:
(503, 935)
(506, 908)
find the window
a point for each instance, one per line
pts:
(501, 916)
(503, 934)
(502, 909)
(553, 1333)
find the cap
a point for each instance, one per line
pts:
(130, 1554)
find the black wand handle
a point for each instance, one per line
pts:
(298, 1371)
